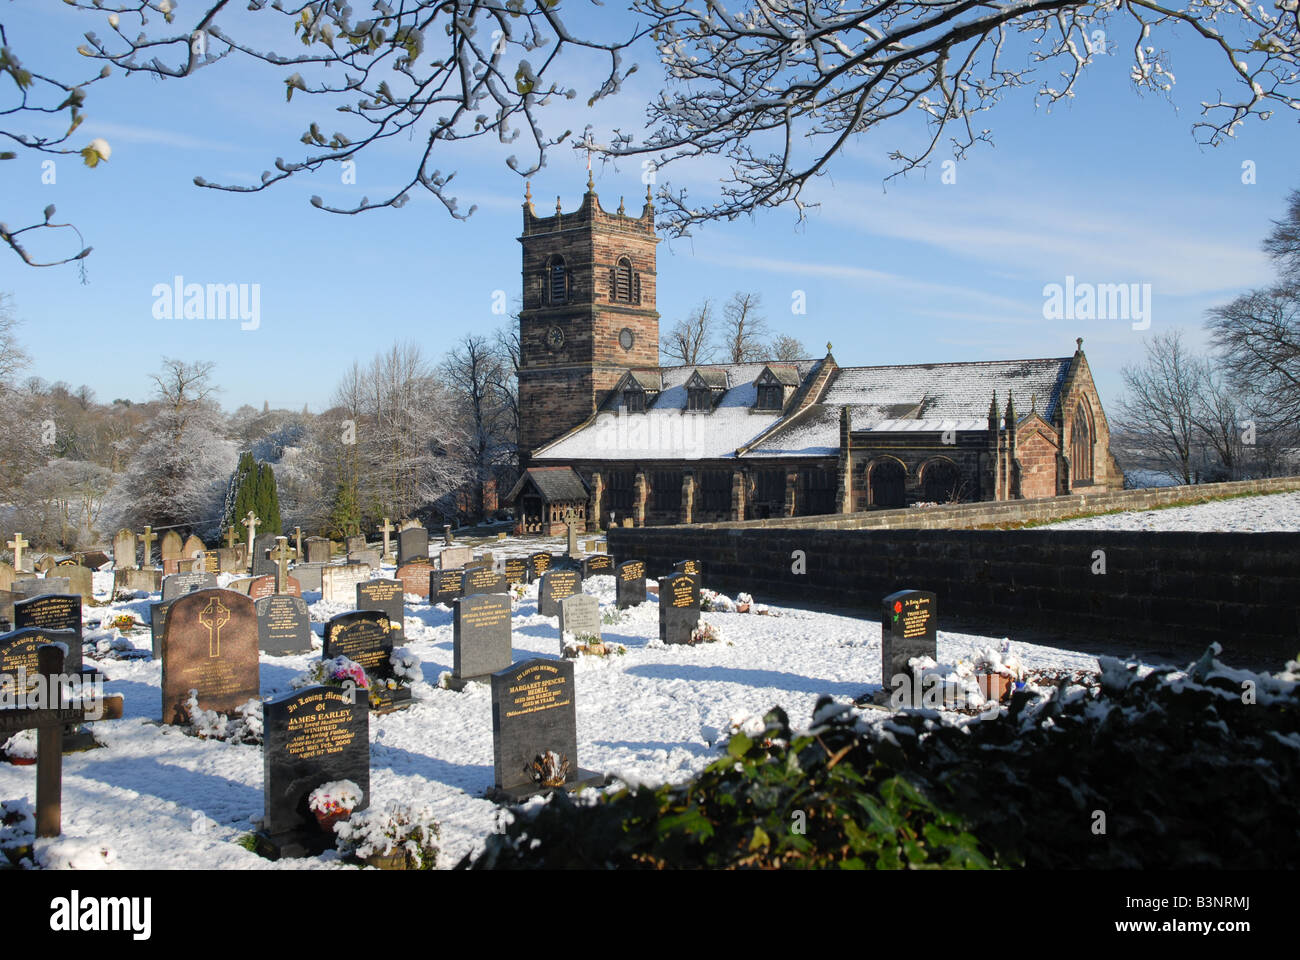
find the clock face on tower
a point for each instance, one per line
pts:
(554, 338)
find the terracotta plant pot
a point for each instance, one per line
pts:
(742, 608)
(326, 820)
(21, 761)
(993, 686)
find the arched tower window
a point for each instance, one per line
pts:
(557, 281)
(1081, 446)
(621, 285)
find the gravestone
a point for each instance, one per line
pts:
(450, 558)
(574, 549)
(263, 567)
(124, 550)
(447, 536)
(480, 638)
(597, 565)
(54, 612)
(157, 624)
(415, 578)
(318, 550)
(388, 597)
(147, 581)
(483, 580)
(36, 586)
(6, 576)
(170, 546)
(264, 586)
(444, 585)
(313, 736)
(18, 657)
(412, 544)
(365, 637)
(263, 544)
(602, 547)
(209, 645)
(283, 625)
(370, 558)
(679, 607)
(629, 584)
(693, 567)
(533, 715)
(212, 561)
(354, 543)
(308, 575)
(193, 547)
(580, 616)
(181, 583)
(230, 560)
(554, 587)
(339, 583)
(515, 570)
(81, 581)
(908, 624)
(538, 564)
(241, 585)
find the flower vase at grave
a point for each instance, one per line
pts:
(993, 686)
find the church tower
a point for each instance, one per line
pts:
(588, 312)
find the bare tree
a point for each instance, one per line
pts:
(690, 340)
(473, 370)
(1219, 420)
(12, 356)
(743, 330)
(786, 347)
(1158, 410)
(1283, 244)
(506, 378)
(773, 87)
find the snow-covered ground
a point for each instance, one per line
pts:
(1275, 512)
(162, 799)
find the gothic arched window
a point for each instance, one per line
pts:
(622, 291)
(1081, 446)
(558, 281)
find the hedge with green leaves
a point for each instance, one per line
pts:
(1157, 769)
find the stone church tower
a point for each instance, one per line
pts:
(588, 312)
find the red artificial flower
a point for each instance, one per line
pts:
(898, 606)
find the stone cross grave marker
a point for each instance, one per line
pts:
(209, 645)
(50, 715)
(230, 537)
(17, 544)
(481, 638)
(535, 731)
(908, 629)
(387, 530)
(679, 607)
(313, 736)
(388, 597)
(629, 583)
(283, 625)
(250, 524)
(282, 566)
(147, 538)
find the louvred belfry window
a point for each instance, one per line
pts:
(559, 281)
(623, 281)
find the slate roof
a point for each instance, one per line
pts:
(909, 397)
(555, 484)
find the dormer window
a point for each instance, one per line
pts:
(624, 285)
(557, 282)
(770, 396)
(634, 400)
(699, 398)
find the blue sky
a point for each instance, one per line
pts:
(1109, 189)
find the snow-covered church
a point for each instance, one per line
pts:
(608, 434)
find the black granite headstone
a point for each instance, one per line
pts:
(538, 564)
(388, 597)
(535, 730)
(54, 612)
(445, 585)
(412, 543)
(283, 625)
(908, 625)
(481, 637)
(157, 624)
(365, 638)
(693, 567)
(516, 570)
(313, 736)
(629, 583)
(180, 583)
(597, 565)
(679, 607)
(555, 586)
(483, 580)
